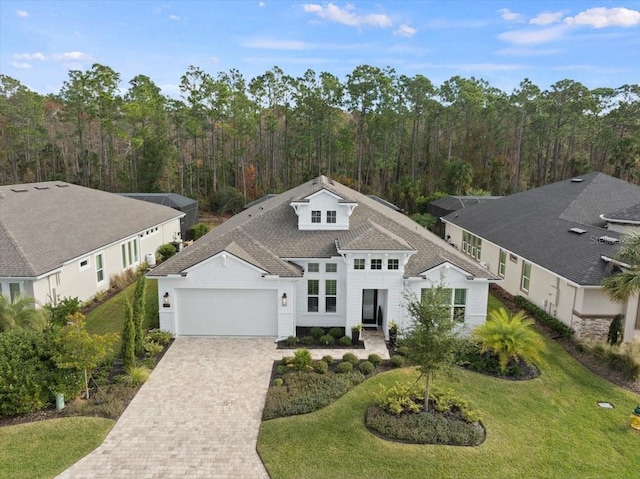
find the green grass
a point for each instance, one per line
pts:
(109, 316)
(549, 427)
(494, 303)
(46, 448)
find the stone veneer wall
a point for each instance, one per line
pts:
(592, 329)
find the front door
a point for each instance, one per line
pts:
(369, 306)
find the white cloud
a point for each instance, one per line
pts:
(174, 17)
(262, 4)
(405, 31)
(546, 18)
(29, 56)
(347, 15)
(22, 13)
(73, 56)
(528, 52)
(270, 44)
(533, 36)
(510, 16)
(606, 17)
(213, 60)
(21, 65)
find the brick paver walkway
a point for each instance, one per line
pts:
(199, 413)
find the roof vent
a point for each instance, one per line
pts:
(61, 185)
(576, 180)
(41, 187)
(578, 231)
(19, 189)
(608, 239)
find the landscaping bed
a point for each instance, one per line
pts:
(319, 338)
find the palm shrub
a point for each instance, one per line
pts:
(20, 313)
(302, 360)
(509, 337)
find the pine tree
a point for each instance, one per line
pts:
(139, 311)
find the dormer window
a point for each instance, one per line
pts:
(331, 216)
(323, 210)
(376, 264)
(316, 216)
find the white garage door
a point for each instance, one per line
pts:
(227, 312)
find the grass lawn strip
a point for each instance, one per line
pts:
(44, 449)
(549, 427)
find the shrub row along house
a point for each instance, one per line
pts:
(554, 245)
(61, 240)
(320, 254)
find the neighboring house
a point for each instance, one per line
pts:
(178, 202)
(320, 254)
(61, 240)
(554, 244)
(448, 204)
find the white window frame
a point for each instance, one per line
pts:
(130, 253)
(315, 295)
(332, 217)
(12, 292)
(100, 268)
(525, 278)
(502, 263)
(327, 295)
(452, 302)
(359, 264)
(378, 264)
(316, 217)
(331, 268)
(87, 265)
(393, 264)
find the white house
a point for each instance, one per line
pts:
(554, 244)
(62, 240)
(320, 254)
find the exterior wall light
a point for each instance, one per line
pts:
(165, 302)
(284, 299)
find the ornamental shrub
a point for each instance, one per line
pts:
(316, 333)
(307, 340)
(159, 336)
(292, 341)
(350, 358)
(366, 367)
(345, 341)
(328, 359)
(278, 382)
(320, 367)
(553, 323)
(375, 359)
(397, 361)
(337, 333)
(344, 367)
(282, 369)
(198, 231)
(327, 340)
(166, 251)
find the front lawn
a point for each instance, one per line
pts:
(46, 448)
(549, 427)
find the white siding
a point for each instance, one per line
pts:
(323, 201)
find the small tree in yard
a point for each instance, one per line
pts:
(433, 337)
(77, 349)
(139, 311)
(128, 347)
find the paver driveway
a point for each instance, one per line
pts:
(197, 416)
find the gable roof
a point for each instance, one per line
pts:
(272, 226)
(44, 225)
(536, 224)
(174, 200)
(630, 215)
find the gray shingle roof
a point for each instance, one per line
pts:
(272, 226)
(535, 224)
(43, 225)
(626, 215)
(174, 200)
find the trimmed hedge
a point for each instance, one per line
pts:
(307, 392)
(545, 318)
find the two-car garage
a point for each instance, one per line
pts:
(227, 312)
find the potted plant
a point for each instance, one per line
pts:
(393, 332)
(355, 334)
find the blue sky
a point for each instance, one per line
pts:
(593, 42)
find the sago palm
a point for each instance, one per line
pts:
(509, 337)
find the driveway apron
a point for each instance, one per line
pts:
(197, 416)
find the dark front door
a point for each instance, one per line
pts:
(369, 306)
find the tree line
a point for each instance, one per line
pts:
(377, 131)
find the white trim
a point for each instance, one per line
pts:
(222, 253)
(619, 221)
